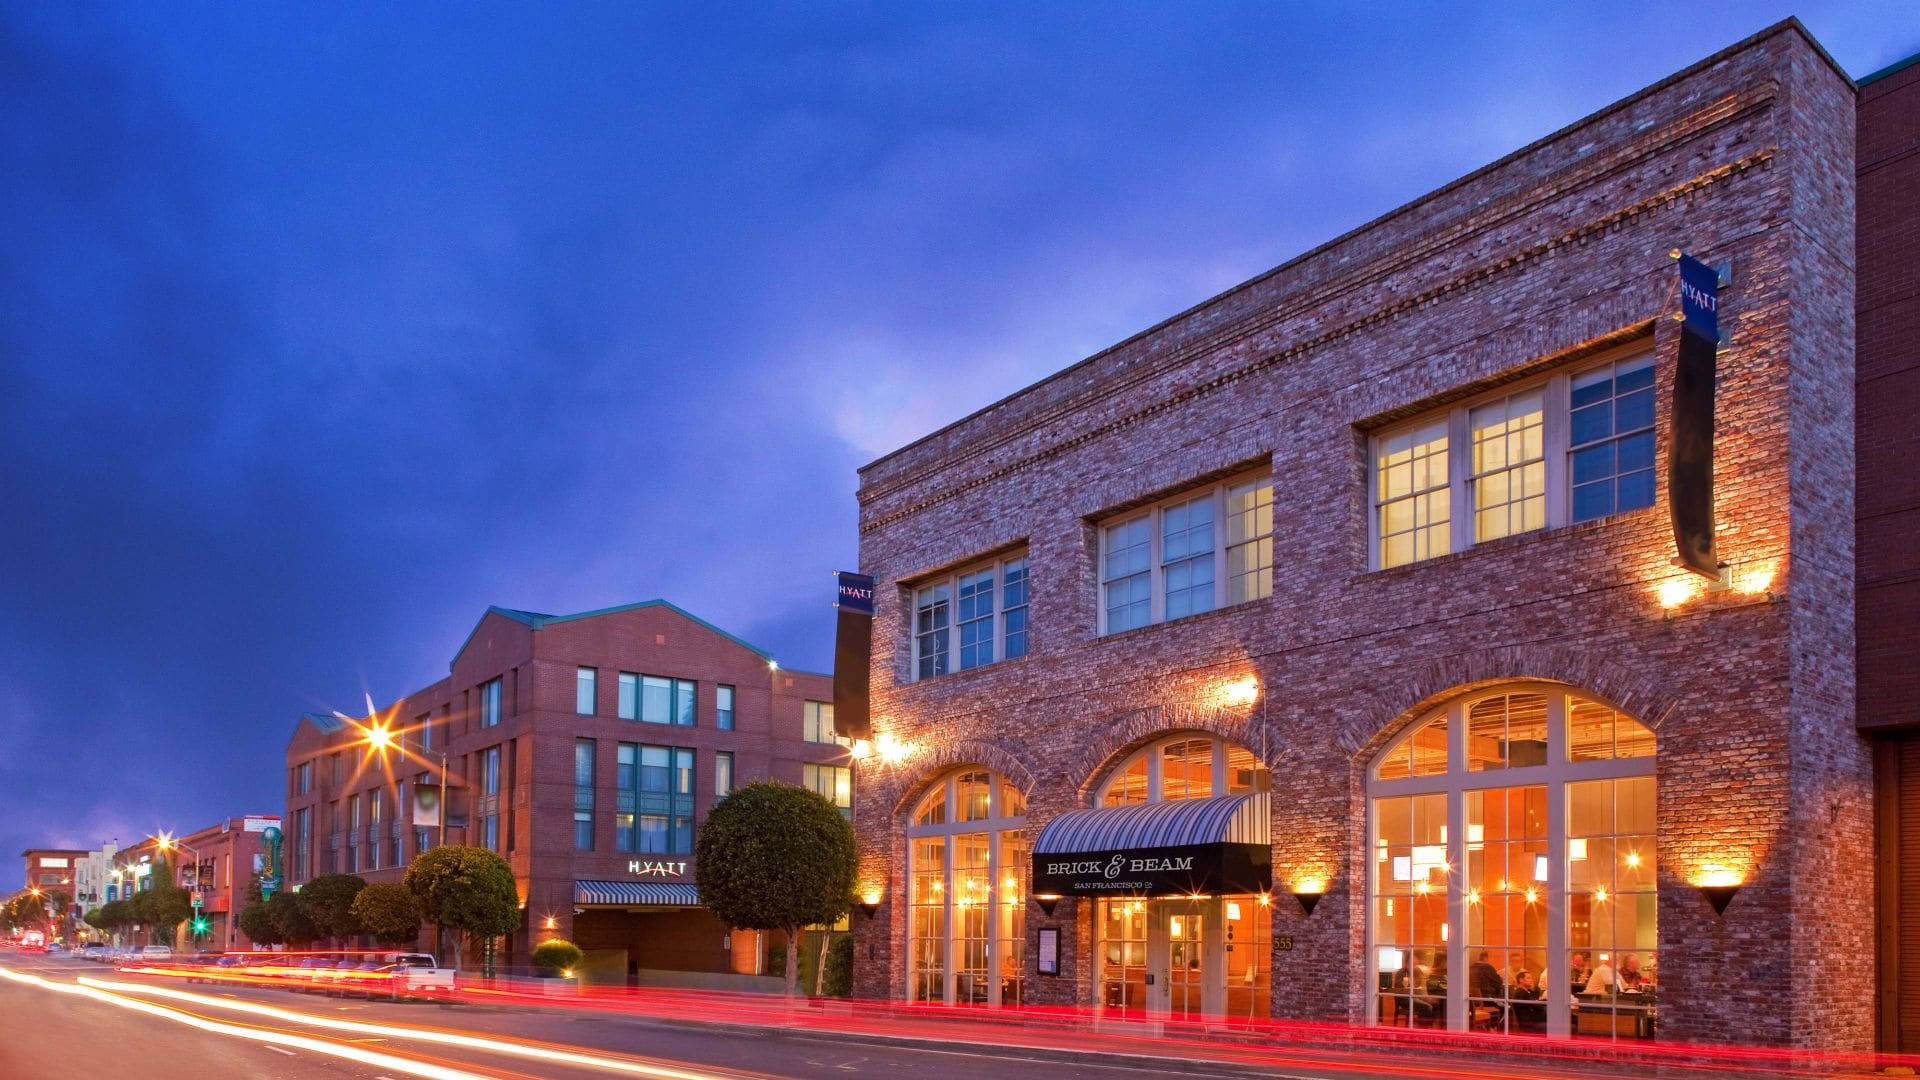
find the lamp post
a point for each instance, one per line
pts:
(167, 843)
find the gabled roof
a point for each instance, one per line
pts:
(534, 620)
(326, 722)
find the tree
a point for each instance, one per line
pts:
(96, 918)
(256, 921)
(777, 857)
(328, 903)
(466, 889)
(391, 913)
(164, 906)
(116, 915)
(556, 956)
(290, 921)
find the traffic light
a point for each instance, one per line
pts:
(199, 926)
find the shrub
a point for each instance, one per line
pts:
(556, 956)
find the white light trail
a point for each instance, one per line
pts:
(274, 1040)
(534, 1051)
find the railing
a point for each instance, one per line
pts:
(583, 797)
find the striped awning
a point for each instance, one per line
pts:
(636, 893)
(1224, 819)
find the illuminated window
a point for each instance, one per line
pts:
(832, 782)
(1189, 766)
(1460, 813)
(971, 618)
(967, 892)
(1569, 446)
(816, 722)
(1199, 550)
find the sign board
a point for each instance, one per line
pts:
(1049, 951)
(1690, 420)
(270, 869)
(852, 656)
(426, 804)
(649, 868)
(1182, 870)
(261, 824)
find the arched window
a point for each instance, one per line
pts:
(1511, 881)
(967, 874)
(1187, 766)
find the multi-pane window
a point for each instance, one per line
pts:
(1200, 550)
(490, 798)
(586, 688)
(722, 774)
(833, 782)
(666, 701)
(972, 618)
(303, 842)
(1513, 845)
(490, 703)
(424, 725)
(353, 834)
(627, 780)
(629, 696)
(816, 722)
(1611, 439)
(656, 800)
(723, 708)
(967, 892)
(1572, 446)
(1185, 767)
(583, 754)
(304, 782)
(374, 803)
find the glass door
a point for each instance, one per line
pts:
(1187, 967)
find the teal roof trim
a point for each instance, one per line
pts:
(326, 722)
(1896, 66)
(534, 620)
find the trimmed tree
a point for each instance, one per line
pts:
(391, 913)
(291, 922)
(466, 889)
(328, 903)
(777, 857)
(256, 921)
(556, 956)
(163, 907)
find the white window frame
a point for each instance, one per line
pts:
(816, 724)
(998, 568)
(1154, 754)
(1556, 390)
(996, 823)
(587, 680)
(1557, 775)
(1156, 583)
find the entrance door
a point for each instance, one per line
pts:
(1183, 959)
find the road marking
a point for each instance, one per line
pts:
(282, 1050)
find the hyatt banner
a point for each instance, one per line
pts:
(1690, 442)
(1182, 870)
(852, 653)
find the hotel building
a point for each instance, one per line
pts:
(1319, 653)
(586, 750)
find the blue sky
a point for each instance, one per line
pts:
(326, 326)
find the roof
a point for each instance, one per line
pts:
(1790, 24)
(1891, 69)
(535, 620)
(326, 722)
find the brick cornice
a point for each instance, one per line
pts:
(1622, 217)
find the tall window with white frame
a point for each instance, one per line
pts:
(971, 618)
(967, 881)
(490, 703)
(586, 688)
(1513, 846)
(723, 707)
(816, 722)
(1205, 548)
(584, 751)
(1568, 446)
(722, 774)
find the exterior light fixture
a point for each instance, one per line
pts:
(1719, 887)
(1308, 893)
(869, 903)
(1047, 901)
(1242, 691)
(860, 750)
(551, 923)
(773, 665)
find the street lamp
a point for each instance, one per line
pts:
(378, 735)
(167, 843)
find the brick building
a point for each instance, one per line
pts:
(1324, 639)
(585, 749)
(48, 869)
(216, 865)
(1888, 508)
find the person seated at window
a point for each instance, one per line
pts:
(1603, 980)
(1630, 976)
(1515, 965)
(1529, 1010)
(1430, 997)
(1483, 979)
(1578, 972)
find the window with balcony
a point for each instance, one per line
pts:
(972, 618)
(1202, 549)
(656, 800)
(583, 753)
(1571, 446)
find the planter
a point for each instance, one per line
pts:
(555, 986)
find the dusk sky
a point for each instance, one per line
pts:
(325, 327)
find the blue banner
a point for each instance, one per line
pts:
(855, 593)
(1700, 298)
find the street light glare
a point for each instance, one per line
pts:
(379, 737)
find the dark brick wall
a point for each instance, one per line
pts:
(1551, 253)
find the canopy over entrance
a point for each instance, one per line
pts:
(1205, 847)
(636, 894)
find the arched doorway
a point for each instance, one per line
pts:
(1193, 955)
(967, 896)
(1511, 882)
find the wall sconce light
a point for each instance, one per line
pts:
(1309, 894)
(551, 924)
(869, 903)
(1719, 887)
(1047, 901)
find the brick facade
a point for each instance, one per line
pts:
(537, 657)
(1554, 253)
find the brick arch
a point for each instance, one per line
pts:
(1399, 704)
(911, 782)
(1131, 730)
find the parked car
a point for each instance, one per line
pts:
(152, 953)
(416, 975)
(93, 950)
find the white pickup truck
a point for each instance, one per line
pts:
(413, 974)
